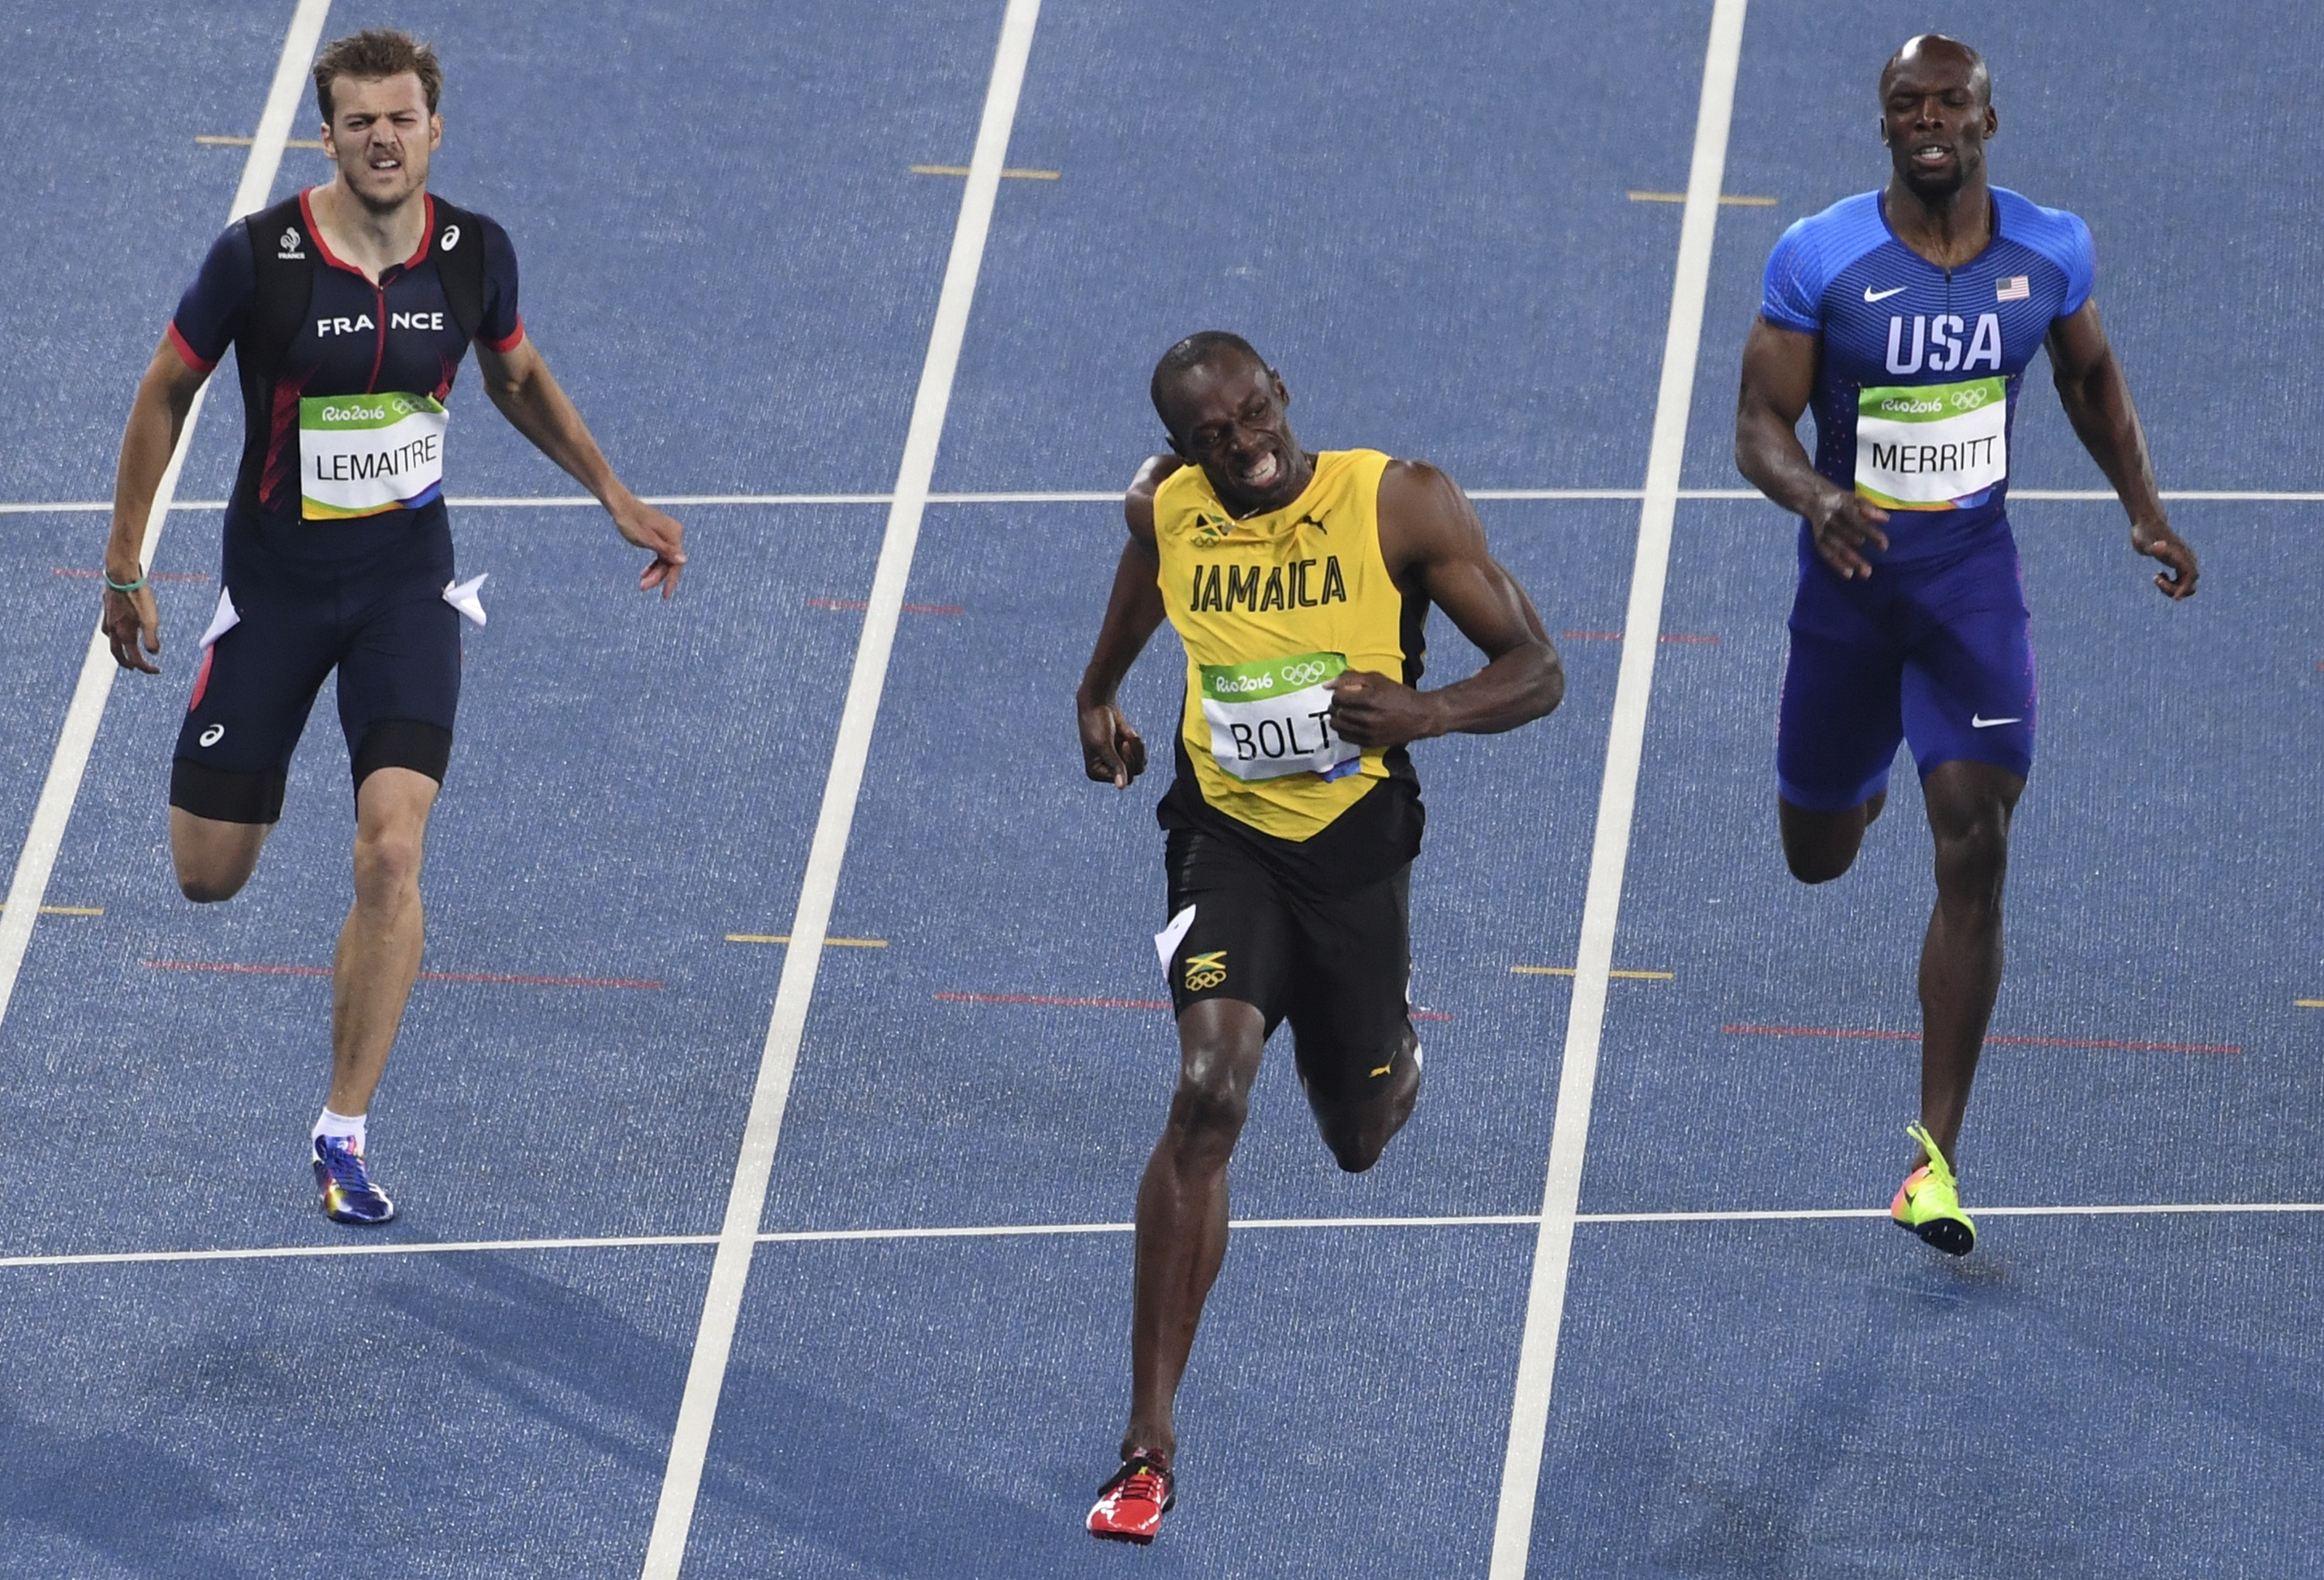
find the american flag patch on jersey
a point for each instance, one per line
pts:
(2016, 288)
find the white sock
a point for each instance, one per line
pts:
(348, 1127)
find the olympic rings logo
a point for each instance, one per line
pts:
(1197, 981)
(1969, 400)
(1308, 673)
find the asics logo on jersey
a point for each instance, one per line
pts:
(1872, 295)
(1938, 346)
(1979, 721)
(289, 246)
(451, 238)
(214, 734)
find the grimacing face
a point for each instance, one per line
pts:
(1229, 416)
(1935, 116)
(381, 135)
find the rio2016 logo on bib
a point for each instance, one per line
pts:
(1932, 447)
(1273, 718)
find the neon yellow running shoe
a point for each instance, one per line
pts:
(1929, 1203)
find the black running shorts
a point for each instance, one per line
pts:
(1335, 965)
(380, 621)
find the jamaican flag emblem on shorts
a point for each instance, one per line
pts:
(1204, 971)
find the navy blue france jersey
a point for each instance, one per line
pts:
(1920, 367)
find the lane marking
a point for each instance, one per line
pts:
(69, 909)
(1113, 496)
(1668, 636)
(961, 169)
(779, 1058)
(785, 938)
(1617, 802)
(74, 570)
(1870, 1034)
(216, 142)
(67, 764)
(907, 608)
(2308, 1003)
(1729, 198)
(1042, 1231)
(1095, 1004)
(1034, 998)
(1568, 970)
(494, 978)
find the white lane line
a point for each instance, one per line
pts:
(1105, 497)
(1617, 799)
(1042, 1231)
(69, 761)
(722, 1305)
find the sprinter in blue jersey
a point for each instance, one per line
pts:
(1906, 317)
(349, 308)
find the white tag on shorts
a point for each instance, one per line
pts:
(227, 618)
(1166, 941)
(464, 597)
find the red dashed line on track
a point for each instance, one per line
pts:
(1690, 641)
(859, 604)
(493, 978)
(1845, 1031)
(1034, 998)
(74, 570)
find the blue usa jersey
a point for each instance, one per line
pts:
(1918, 368)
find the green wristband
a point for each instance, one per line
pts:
(111, 585)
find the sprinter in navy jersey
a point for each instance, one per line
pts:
(349, 308)
(1906, 318)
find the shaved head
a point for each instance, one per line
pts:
(1932, 49)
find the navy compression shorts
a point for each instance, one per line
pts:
(1936, 651)
(379, 619)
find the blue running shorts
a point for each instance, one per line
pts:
(1937, 651)
(375, 613)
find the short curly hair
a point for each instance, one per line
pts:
(375, 55)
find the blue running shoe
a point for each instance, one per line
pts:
(348, 1195)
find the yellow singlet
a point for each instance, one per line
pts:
(1271, 608)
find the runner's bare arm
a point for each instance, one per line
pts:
(2097, 398)
(1779, 377)
(158, 415)
(520, 385)
(1435, 546)
(1111, 751)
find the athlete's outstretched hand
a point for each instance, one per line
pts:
(649, 528)
(2157, 542)
(1845, 525)
(132, 620)
(1111, 751)
(1372, 710)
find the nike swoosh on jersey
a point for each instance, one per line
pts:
(1977, 723)
(1872, 295)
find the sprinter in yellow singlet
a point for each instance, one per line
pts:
(1299, 584)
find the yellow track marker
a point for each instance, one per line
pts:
(69, 909)
(1568, 971)
(2308, 1003)
(785, 938)
(1022, 175)
(246, 141)
(1729, 199)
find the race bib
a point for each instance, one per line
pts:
(1272, 719)
(1931, 446)
(359, 455)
